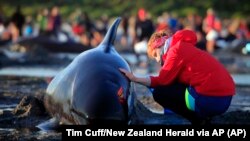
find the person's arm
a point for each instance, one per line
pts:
(142, 80)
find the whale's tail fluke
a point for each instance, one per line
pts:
(109, 38)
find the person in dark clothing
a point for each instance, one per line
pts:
(54, 22)
(144, 27)
(18, 19)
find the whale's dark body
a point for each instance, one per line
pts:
(92, 89)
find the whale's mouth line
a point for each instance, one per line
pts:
(80, 114)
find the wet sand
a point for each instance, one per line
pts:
(21, 109)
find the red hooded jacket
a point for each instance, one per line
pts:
(185, 63)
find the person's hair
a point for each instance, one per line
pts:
(155, 36)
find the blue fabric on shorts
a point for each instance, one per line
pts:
(207, 106)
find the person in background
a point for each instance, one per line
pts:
(42, 19)
(18, 19)
(28, 27)
(191, 82)
(144, 26)
(212, 28)
(54, 20)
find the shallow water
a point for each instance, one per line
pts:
(29, 71)
(4, 107)
(50, 71)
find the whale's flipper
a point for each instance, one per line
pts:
(51, 124)
(109, 38)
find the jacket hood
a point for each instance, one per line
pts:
(187, 36)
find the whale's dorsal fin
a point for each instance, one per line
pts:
(109, 38)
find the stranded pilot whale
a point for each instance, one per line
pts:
(91, 89)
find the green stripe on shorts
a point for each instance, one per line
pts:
(190, 101)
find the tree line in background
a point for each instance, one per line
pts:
(96, 8)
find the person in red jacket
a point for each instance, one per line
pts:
(191, 82)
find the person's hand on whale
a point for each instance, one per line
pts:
(128, 74)
(142, 80)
